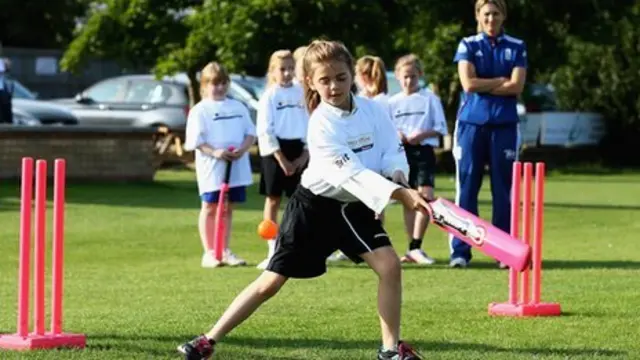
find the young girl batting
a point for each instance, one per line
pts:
(214, 124)
(334, 207)
(371, 80)
(418, 130)
(282, 128)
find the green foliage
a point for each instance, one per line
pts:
(41, 24)
(133, 32)
(591, 57)
(242, 34)
(602, 75)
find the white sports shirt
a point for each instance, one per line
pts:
(350, 152)
(419, 111)
(219, 124)
(281, 114)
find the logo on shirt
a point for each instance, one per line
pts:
(362, 143)
(225, 116)
(479, 53)
(507, 54)
(288, 105)
(341, 161)
(400, 114)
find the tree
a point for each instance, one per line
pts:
(601, 75)
(132, 32)
(242, 34)
(42, 24)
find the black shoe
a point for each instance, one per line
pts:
(404, 352)
(197, 349)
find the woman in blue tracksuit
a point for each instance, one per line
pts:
(492, 69)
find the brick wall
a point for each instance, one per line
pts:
(92, 154)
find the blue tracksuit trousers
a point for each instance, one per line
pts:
(474, 147)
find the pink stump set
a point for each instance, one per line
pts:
(39, 338)
(524, 300)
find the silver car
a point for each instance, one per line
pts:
(28, 110)
(142, 101)
(131, 100)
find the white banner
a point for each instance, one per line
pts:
(571, 129)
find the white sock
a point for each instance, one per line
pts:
(394, 349)
(272, 247)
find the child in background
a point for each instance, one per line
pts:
(418, 128)
(282, 129)
(297, 57)
(371, 78)
(214, 124)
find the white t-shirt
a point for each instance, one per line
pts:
(350, 152)
(281, 114)
(219, 124)
(418, 112)
(382, 98)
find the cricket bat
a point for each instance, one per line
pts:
(480, 234)
(220, 234)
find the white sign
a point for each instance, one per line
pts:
(571, 129)
(46, 65)
(565, 129)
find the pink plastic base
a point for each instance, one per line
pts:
(522, 310)
(46, 341)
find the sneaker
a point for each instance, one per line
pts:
(404, 352)
(458, 263)
(418, 256)
(209, 261)
(502, 265)
(264, 263)
(231, 259)
(338, 256)
(197, 349)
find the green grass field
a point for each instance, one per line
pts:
(135, 287)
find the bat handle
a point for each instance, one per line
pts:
(227, 173)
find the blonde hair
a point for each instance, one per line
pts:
(298, 53)
(213, 73)
(373, 68)
(410, 59)
(275, 60)
(320, 51)
(500, 4)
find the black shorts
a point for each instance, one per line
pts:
(313, 227)
(273, 182)
(422, 165)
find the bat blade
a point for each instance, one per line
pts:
(480, 234)
(220, 234)
(221, 223)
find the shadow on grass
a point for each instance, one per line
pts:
(420, 345)
(169, 194)
(268, 343)
(443, 264)
(577, 206)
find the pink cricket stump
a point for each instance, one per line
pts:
(39, 338)
(527, 305)
(480, 234)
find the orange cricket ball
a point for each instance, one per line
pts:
(267, 229)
